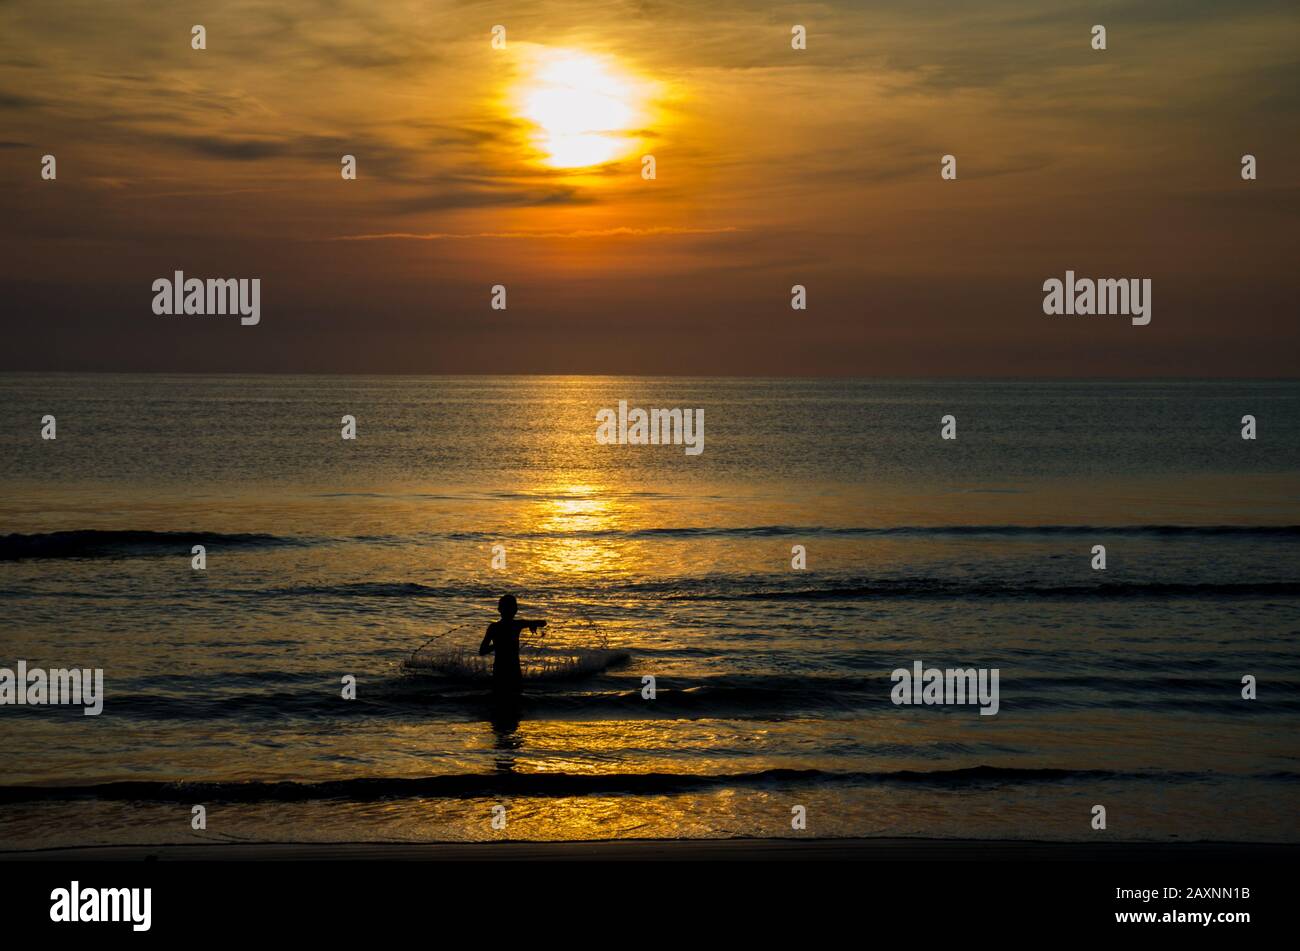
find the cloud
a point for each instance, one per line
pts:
(14, 101)
(594, 233)
(213, 146)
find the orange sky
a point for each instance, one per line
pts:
(774, 167)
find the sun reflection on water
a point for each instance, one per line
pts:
(572, 516)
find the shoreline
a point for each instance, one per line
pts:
(783, 849)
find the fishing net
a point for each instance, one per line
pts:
(564, 649)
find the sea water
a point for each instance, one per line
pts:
(329, 558)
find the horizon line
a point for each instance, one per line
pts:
(664, 376)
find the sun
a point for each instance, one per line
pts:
(584, 108)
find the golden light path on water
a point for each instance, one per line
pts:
(580, 509)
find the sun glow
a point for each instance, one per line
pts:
(585, 109)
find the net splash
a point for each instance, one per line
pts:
(572, 649)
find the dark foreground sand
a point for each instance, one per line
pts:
(640, 850)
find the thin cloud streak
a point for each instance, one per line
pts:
(591, 233)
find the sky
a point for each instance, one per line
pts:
(773, 167)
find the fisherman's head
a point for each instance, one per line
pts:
(508, 606)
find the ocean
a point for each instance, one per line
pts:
(329, 559)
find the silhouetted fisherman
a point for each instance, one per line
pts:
(502, 639)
